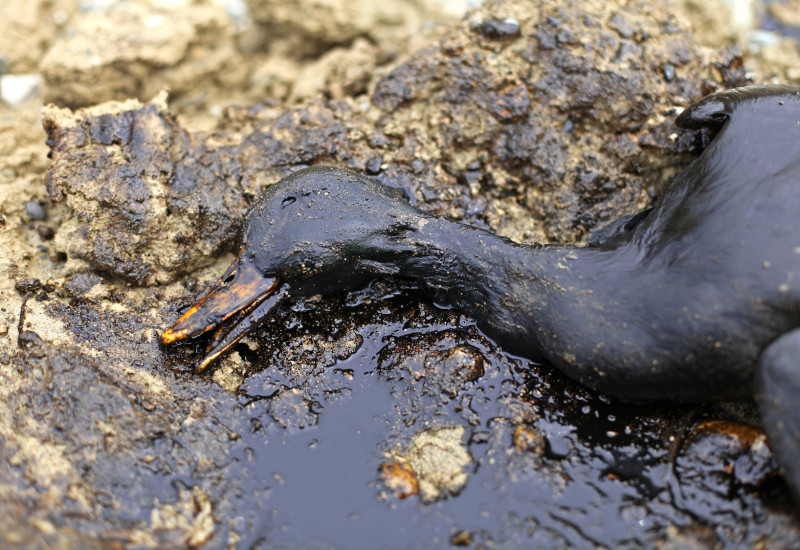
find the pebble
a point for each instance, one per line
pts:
(669, 72)
(35, 211)
(621, 25)
(45, 232)
(27, 284)
(373, 165)
(499, 28)
(16, 88)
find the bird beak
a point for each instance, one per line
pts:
(240, 292)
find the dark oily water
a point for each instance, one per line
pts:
(318, 483)
(544, 462)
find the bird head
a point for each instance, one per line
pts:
(317, 230)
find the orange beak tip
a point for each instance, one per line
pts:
(202, 366)
(167, 337)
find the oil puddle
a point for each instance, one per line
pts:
(319, 486)
(548, 463)
(321, 480)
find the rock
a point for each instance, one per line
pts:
(534, 108)
(339, 73)
(35, 211)
(136, 50)
(45, 232)
(26, 29)
(149, 215)
(27, 285)
(498, 28)
(82, 285)
(439, 460)
(16, 88)
(308, 28)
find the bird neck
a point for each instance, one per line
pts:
(510, 289)
(593, 313)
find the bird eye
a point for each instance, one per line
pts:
(287, 201)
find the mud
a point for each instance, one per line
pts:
(374, 418)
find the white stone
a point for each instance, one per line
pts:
(16, 88)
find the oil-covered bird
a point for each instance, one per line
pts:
(696, 298)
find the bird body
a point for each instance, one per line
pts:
(678, 302)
